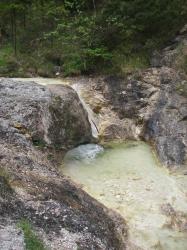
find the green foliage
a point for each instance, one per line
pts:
(38, 143)
(5, 54)
(83, 36)
(129, 64)
(184, 64)
(5, 189)
(8, 62)
(32, 242)
(4, 173)
(182, 89)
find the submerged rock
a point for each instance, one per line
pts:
(128, 179)
(86, 152)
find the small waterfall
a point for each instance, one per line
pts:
(91, 114)
(77, 87)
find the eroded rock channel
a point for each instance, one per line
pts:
(128, 177)
(123, 196)
(36, 126)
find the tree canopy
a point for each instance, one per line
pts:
(83, 36)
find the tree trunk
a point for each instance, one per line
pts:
(24, 19)
(94, 5)
(15, 31)
(12, 28)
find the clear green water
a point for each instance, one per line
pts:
(127, 178)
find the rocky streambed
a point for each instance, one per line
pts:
(37, 125)
(129, 180)
(134, 203)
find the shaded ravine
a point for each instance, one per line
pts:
(128, 178)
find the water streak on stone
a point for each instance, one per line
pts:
(91, 115)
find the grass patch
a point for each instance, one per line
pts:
(32, 242)
(8, 62)
(4, 173)
(5, 53)
(181, 88)
(179, 61)
(183, 63)
(134, 63)
(127, 64)
(43, 62)
(5, 188)
(24, 65)
(38, 143)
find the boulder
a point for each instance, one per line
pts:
(118, 130)
(36, 124)
(151, 105)
(152, 101)
(47, 116)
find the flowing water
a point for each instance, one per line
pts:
(128, 178)
(43, 81)
(91, 115)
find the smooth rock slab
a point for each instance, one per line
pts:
(11, 238)
(54, 116)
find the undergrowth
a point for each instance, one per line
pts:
(32, 242)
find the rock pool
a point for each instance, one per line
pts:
(128, 178)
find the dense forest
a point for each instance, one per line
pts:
(84, 36)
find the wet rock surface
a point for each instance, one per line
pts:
(149, 105)
(157, 109)
(34, 130)
(37, 123)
